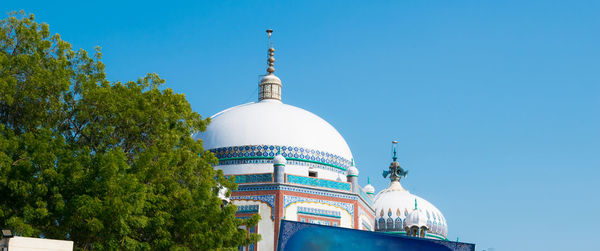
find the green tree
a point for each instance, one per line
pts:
(109, 165)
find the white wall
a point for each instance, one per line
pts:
(266, 227)
(28, 244)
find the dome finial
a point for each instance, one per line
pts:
(395, 171)
(394, 145)
(271, 59)
(415, 203)
(270, 85)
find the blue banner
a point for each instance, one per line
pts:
(299, 236)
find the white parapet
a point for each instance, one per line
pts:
(18, 243)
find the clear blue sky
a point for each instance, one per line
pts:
(496, 104)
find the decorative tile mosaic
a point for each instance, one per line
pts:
(315, 191)
(319, 212)
(348, 207)
(320, 222)
(269, 199)
(253, 178)
(299, 153)
(289, 163)
(247, 209)
(310, 181)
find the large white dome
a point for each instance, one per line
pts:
(262, 129)
(394, 205)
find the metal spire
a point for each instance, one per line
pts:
(270, 85)
(271, 59)
(395, 171)
(394, 145)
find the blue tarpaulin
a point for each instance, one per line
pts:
(300, 236)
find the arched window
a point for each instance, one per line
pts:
(398, 224)
(390, 224)
(381, 224)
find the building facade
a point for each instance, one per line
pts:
(291, 164)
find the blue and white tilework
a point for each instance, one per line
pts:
(300, 153)
(267, 187)
(287, 200)
(309, 181)
(247, 209)
(253, 178)
(245, 161)
(319, 212)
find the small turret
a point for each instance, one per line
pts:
(416, 223)
(370, 190)
(352, 177)
(278, 167)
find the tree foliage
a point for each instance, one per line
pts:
(109, 165)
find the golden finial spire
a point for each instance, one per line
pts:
(270, 85)
(271, 59)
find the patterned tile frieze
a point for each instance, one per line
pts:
(319, 192)
(300, 153)
(268, 198)
(348, 207)
(253, 178)
(245, 161)
(310, 181)
(319, 212)
(245, 209)
(268, 187)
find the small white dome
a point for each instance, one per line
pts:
(369, 189)
(279, 160)
(394, 205)
(417, 218)
(352, 171)
(270, 78)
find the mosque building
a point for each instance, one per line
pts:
(291, 164)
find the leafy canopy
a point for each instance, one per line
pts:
(109, 165)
